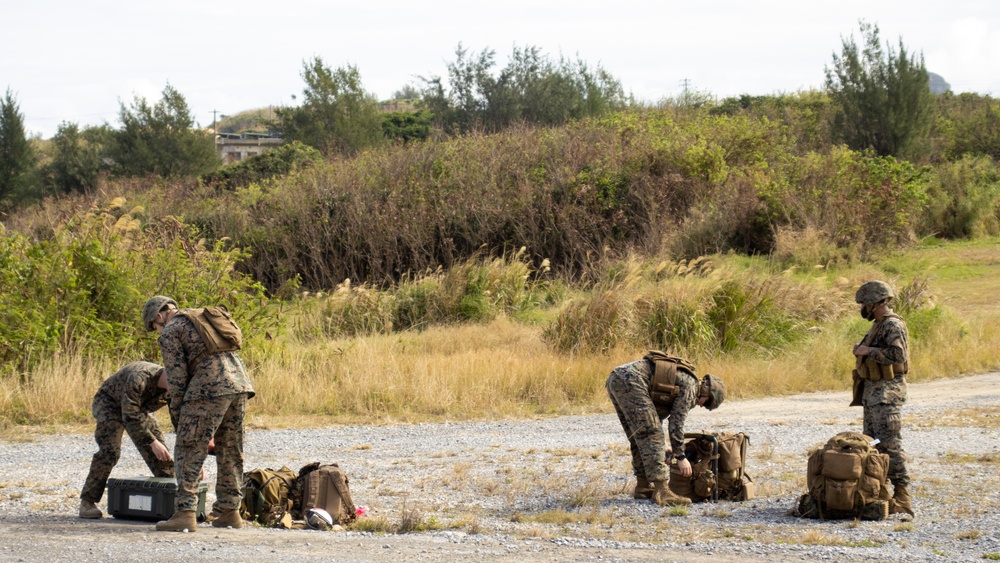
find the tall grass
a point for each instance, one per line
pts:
(506, 367)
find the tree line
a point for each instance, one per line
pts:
(876, 97)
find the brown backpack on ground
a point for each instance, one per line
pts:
(718, 468)
(734, 482)
(323, 486)
(265, 497)
(846, 479)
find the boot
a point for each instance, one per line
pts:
(181, 521)
(215, 513)
(662, 495)
(228, 519)
(900, 501)
(88, 510)
(642, 489)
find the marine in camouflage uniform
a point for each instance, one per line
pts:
(207, 400)
(887, 344)
(628, 387)
(125, 402)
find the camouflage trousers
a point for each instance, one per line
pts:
(629, 393)
(108, 436)
(885, 423)
(199, 421)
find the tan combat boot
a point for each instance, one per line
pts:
(181, 521)
(643, 489)
(900, 501)
(662, 495)
(215, 513)
(228, 519)
(88, 510)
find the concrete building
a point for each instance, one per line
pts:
(234, 147)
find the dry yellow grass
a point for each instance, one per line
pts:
(503, 369)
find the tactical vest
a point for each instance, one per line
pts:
(868, 368)
(663, 388)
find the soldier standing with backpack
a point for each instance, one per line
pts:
(208, 395)
(882, 360)
(126, 402)
(642, 404)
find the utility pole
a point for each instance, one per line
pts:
(685, 83)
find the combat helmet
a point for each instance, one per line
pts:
(873, 292)
(716, 391)
(152, 307)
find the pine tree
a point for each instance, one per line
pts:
(17, 159)
(884, 97)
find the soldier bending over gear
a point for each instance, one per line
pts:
(882, 360)
(125, 403)
(208, 397)
(629, 387)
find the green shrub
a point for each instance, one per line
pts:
(963, 199)
(743, 314)
(669, 323)
(689, 315)
(81, 286)
(280, 161)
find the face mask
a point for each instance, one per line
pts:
(867, 314)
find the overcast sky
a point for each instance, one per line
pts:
(75, 60)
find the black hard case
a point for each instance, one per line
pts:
(148, 498)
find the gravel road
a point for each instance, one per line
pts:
(555, 489)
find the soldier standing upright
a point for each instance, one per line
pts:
(208, 397)
(126, 402)
(882, 360)
(642, 404)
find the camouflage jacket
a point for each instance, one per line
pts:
(683, 403)
(676, 413)
(131, 394)
(214, 376)
(889, 342)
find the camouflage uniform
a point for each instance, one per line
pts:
(210, 403)
(628, 387)
(125, 403)
(883, 400)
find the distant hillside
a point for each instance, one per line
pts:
(938, 84)
(252, 120)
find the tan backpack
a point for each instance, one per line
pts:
(326, 487)
(734, 482)
(718, 468)
(265, 497)
(217, 329)
(846, 479)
